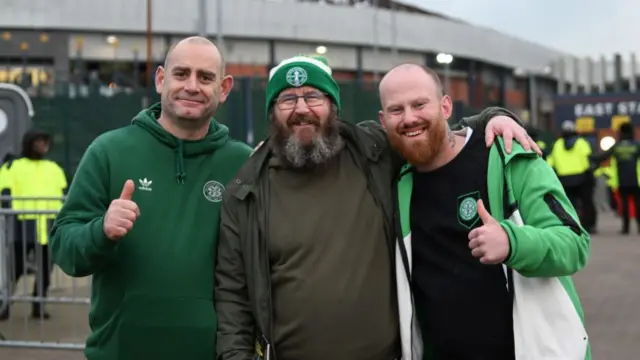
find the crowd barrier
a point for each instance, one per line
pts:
(25, 266)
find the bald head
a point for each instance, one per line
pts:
(191, 84)
(415, 72)
(415, 112)
(197, 41)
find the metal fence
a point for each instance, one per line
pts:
(22, 270)
(26, 273)
(75, 118)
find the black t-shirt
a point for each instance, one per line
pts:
(463, 306)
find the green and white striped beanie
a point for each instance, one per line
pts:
(302, 71)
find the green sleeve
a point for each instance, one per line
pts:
(481, 120)
(552, 242)
(78, 244)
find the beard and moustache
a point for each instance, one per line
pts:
(420, 151)
(294, 153)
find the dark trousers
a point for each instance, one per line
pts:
(626, 193)
(26, 242)
(612, 200)
(581, 197)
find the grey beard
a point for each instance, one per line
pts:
(321, 150)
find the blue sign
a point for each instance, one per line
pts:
(597, 111)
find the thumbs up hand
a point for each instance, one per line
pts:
(489, 242)
(121, 214)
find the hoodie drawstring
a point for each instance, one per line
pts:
(180, 175)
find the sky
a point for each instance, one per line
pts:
(579, 27)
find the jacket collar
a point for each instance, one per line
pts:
(516, 150)
(356, 140)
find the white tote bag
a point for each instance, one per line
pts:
(546, 324)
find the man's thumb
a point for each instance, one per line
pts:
(483, 213)
(127, 190)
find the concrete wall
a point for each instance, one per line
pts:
(49, 48)
(594, 71)
(237, 51)
(94, 46)
(270, 32)
(262, 19)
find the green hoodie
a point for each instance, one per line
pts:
(152, 295)
(552, 243)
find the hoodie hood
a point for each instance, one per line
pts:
(8, 157)
(27, 143)
(217, 137)
(626, 131)
(570, 139)
(626, 136)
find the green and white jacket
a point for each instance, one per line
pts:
(552, 244)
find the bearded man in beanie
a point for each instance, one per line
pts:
(306, 253)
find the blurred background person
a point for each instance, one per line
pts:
(32, 176)
(570, 159)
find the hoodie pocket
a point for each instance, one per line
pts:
(166, 328)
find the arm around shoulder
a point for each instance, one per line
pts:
(552, 242)
(481, 120)
(78, 243)
(374, 129)
(235, 338)
(379, 134)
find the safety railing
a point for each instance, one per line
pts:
(40, 306)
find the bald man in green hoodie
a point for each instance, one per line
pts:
(142, 216)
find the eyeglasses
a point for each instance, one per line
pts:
(288, 102)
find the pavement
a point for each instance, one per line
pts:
(608, 289)
(610, 292)
(68, 323)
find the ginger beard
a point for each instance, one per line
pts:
(306, 141)
(423, 148)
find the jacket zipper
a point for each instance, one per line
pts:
(268, 281)
(398, 227)
(557, 209)
(508, 209)
(405, 257)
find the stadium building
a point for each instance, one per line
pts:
(55, 42)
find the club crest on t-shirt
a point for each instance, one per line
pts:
(468, 209)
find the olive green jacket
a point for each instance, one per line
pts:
(243, 289)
